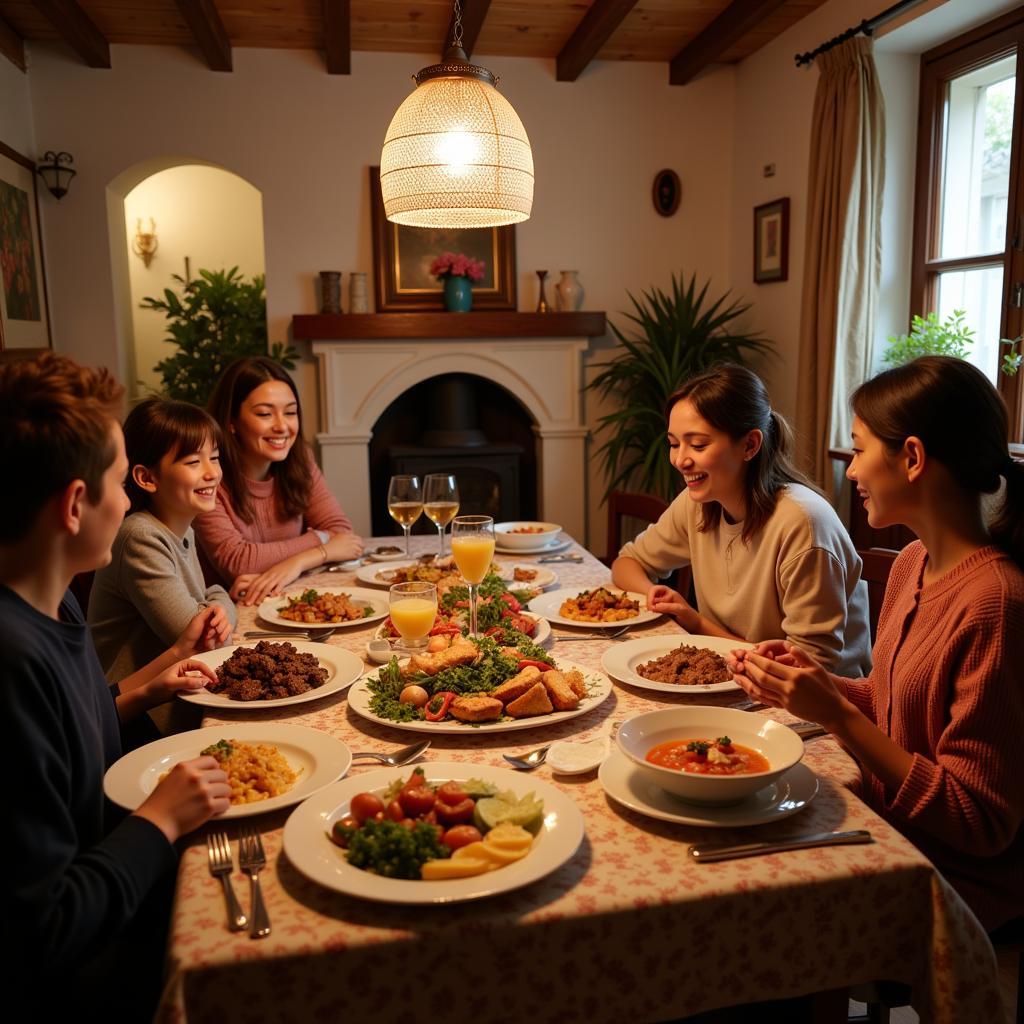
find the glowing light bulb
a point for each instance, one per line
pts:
(458, 150)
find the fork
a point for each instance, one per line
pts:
(312, 635)
(616, 634)
(218, 850)
(252, 860)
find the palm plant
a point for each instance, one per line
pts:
(679, 337)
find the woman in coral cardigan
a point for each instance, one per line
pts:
(274, 517)
(937, 726)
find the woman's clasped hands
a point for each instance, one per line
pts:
(780, 674)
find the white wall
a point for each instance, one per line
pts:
(16, 128)
(208, 215)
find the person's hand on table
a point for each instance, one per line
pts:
(343, 546)
(191, 794)
(670, 602)
(782, 675)
(186, 676)
(208, 629)
(252, 588)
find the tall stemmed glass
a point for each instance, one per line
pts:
(405, 504)
(440, 502)
(473, 548)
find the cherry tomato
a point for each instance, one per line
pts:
(408, 823)
(455, 814)
(365, 806)
(461, 835)
(395, 812)
(343, 829)
(451, 793)
(416, 800)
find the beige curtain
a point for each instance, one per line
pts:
(842, 250)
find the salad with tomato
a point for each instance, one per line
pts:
(416, 829)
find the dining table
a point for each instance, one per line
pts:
(629, 928)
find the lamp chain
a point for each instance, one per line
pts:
(457, 29)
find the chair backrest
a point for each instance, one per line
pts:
(877, 564)
(645, 507)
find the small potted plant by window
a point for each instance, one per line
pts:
(457, 274)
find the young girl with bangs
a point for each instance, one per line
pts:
(769, 554)
(937, 725)
(153, 586)
(274, 517)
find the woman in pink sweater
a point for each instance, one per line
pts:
(275, 517)
(937, 726)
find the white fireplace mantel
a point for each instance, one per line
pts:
(360, 376)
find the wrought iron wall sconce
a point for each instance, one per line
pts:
(145, 244)
(56, 172)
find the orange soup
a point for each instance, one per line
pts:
(708, 757)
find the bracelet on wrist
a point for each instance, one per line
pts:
(323, 551)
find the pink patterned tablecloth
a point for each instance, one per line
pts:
(628, 929)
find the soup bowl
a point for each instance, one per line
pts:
(780, 745)
(540, 534)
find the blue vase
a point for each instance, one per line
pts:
(458, 294)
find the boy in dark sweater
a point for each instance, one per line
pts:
(77, 876)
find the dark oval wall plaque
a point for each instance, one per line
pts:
(667, 192)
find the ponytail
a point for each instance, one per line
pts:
(1007, 528)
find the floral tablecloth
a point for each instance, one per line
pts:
(628, 929)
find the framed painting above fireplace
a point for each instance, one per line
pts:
(402, 256)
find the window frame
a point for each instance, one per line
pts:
(999, 38)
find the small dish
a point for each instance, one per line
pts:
(566, 757)
(526, 535)
(379, 651)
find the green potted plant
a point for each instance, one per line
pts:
(929, 337)
(681, 334)
(217, 318)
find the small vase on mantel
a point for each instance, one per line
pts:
(568, 292)
(358, 300)
(458, 293)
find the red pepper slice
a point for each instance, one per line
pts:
(528, 663)
(442, 709)
(512, 603)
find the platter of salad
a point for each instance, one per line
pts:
(478, 684)
(444, 833)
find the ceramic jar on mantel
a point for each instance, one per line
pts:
(330, 291)
(568, 292)
(358, 300)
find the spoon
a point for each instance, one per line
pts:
(397, 757)
(526, 763)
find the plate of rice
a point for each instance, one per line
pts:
(269, 766)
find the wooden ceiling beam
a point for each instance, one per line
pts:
(593, 31)
(12, 46)
(77, 30)
(338, 36)
(728, 28)
(474, 13)
(208, 30)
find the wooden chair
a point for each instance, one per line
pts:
(877, 564)
(648, 509)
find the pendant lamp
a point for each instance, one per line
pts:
(456, 154)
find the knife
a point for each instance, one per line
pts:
(708, 852)
(561, 558)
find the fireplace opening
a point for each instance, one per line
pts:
(463, 424)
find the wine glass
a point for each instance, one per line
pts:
(473, 549)
(440, 502)
(413, 610)
(405, 504)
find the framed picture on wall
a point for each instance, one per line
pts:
(402, 257)
(771, 241)
(24, 318)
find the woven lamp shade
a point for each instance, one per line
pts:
(456, 155)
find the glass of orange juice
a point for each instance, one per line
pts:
(473, 550)
(413, 609)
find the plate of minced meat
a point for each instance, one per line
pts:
(679, 663)
(275, 673)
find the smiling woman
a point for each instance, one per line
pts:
(768, 552)
(274, 517)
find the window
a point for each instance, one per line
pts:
(969, 216)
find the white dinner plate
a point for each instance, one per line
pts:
(307, 846)
(621, 659)
(394, 556)
(379, 575)
(598, 686)
(375, 603)
(790, 793)
(541, 637)
(544, 578)
(560, 543)
(343, 669)
(549, 604)
(321, 757)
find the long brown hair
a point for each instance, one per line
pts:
(157, 427)
(734, 400)
(292, 477)
(962, 422)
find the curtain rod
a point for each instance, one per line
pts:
(867, 26)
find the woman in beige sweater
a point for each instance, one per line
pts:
(769, 555)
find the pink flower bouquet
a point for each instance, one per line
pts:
(455, 264)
